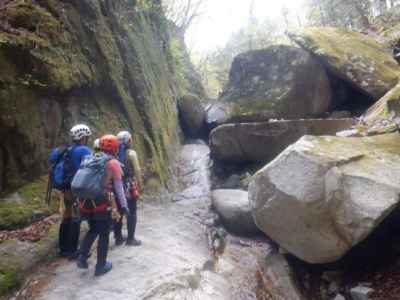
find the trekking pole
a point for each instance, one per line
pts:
(48, 191)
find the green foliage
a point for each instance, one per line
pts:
(8, 280)
(214, 66)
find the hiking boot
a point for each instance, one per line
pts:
(69, 254)
(119, 241)
(64, 254)
(133, 242)
(103, 270)
(74, 255)
(82, 263)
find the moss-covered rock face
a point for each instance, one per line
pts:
(188, 76)
(26, 205)
(277, 82)
(354, 57)
(105, 63)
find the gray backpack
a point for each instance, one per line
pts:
(87, 182)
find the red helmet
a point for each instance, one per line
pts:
(109, 144)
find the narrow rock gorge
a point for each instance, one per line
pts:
(286, 186)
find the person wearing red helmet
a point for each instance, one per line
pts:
(99, 216)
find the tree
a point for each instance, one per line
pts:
(183, 12)
(214, 66)
(353, 14)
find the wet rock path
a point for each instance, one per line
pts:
(175, 260)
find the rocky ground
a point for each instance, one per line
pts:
(183, 255)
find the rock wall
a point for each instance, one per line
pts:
(105, 63)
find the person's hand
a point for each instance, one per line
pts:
(115, 215)
(125, 211)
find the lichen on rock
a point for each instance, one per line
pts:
(352, 56)
(277, 82)
(26, 205)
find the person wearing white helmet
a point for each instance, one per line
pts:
(132, 183)
(70, 225)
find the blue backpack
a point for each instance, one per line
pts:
(61, 172)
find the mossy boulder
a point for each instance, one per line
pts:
(383, 117)
(109, 64)
(324, 195)
(392, 36)
(387, 108)
(278, 82)
(262, 142)
(192, 115)
(26, 205)
(17, 258)
(354, 57)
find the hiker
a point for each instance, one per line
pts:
(65, 164)
(96, 203)
(132, 183)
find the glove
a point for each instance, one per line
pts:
(125, 211)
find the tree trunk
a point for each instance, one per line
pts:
(382, 6)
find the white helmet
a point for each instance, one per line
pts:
(124, 137)
(79, 131)
(96, 144)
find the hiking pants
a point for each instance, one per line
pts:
(131, 222)
(97, 228)
(70, 226)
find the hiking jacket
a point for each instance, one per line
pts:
(78, 153)
(112, 181)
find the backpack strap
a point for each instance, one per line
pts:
(60, 156)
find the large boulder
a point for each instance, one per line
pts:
(278, 277)
(352, 56)
(324, 195)
(262, 142)
(278, 82)
(192, 114)
(233, 208)
(383, 116)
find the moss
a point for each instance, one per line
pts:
(177, 54)
(113, 70)
(350, 148)
(8, 280)
(250, 105)
(387, 107)
(354, 56)
(44, 247)
(26, 205)
(392, 35)
(18, 258)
